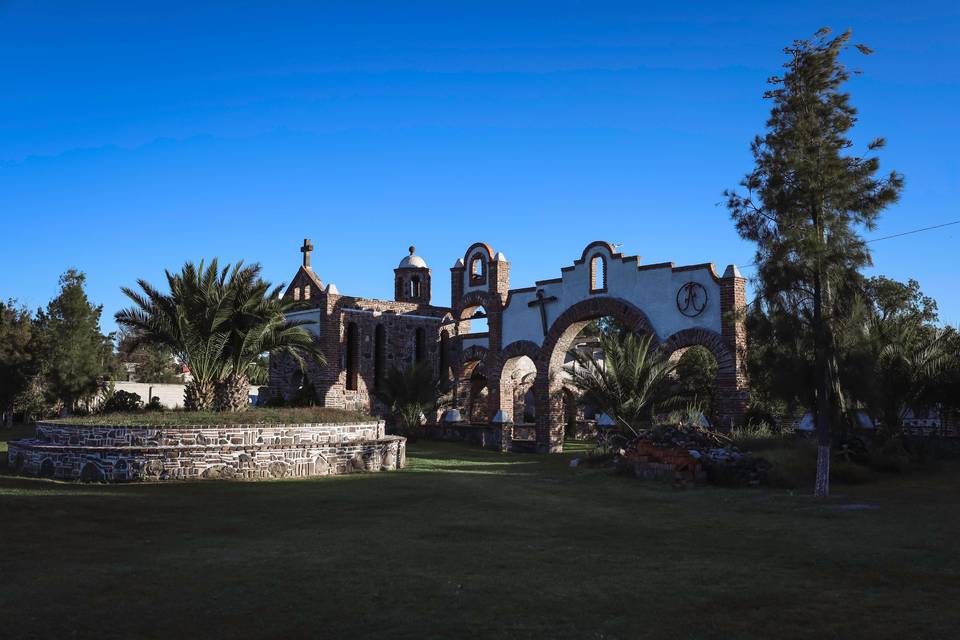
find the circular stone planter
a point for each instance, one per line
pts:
(98, 453)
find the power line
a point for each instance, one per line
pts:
(907, 233)
(895, 235)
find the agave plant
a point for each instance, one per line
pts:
(632, 383)
(218, 322)
(258, 325)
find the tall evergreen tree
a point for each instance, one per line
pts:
(19, 361)
(804, 205)
(76, 353)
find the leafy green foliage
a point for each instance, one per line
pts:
(696, 373)
(630, 385)
(804, 205)
(121, 401)
(19, 358)
(220, 323)
(410, 394)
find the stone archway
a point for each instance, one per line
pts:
(508, 360)
(731, 379)
(548, 388)
(470, 378)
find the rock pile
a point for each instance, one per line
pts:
(691, 454)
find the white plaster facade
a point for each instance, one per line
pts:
(652, 290)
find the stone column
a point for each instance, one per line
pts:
(732, 389)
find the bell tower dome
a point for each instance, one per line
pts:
(412, 279)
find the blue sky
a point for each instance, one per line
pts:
(137, 135)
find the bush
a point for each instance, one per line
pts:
(154, 405)
(121, 402)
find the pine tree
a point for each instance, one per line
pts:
(806, 201)
(76, 353)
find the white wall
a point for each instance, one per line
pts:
(171, 395)
(653, 291)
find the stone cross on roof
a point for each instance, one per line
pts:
(306, 250)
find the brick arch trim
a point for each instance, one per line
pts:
(515, 350)
(489, 301)
(559, 338)
(711, 340)
(597, 307)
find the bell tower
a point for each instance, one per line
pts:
(412, 280)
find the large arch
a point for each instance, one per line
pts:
(731, 380)
(548, 388)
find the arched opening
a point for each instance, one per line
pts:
(477, 393)
(420, 345)
(598, 274)
(577, 329)
(580, 418)
(473, 321)
(517, 398)
(379, 355)
(696, 379)
(478, 270)
(91, 473)
(306, 292)
(703, 355)
(352, 356)
(414, 287)
(46, 468)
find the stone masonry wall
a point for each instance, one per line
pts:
(243, 452)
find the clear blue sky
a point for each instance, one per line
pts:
(137, 135)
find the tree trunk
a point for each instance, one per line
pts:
(8, 416)
(233, 394)
(822, 373)
(197, 396)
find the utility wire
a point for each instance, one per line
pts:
(895, 235)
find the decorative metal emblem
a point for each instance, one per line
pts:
(692, 299)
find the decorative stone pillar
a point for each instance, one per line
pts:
(504, 430)
(732, 389)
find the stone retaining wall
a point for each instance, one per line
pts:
(242, 452)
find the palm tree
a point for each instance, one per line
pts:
(907, 362)
(410, 394)
(192, 321)
(258, 325)
(218, 322)
(632, 383)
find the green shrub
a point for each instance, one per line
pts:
(121, 402)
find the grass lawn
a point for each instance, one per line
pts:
(467, 543)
